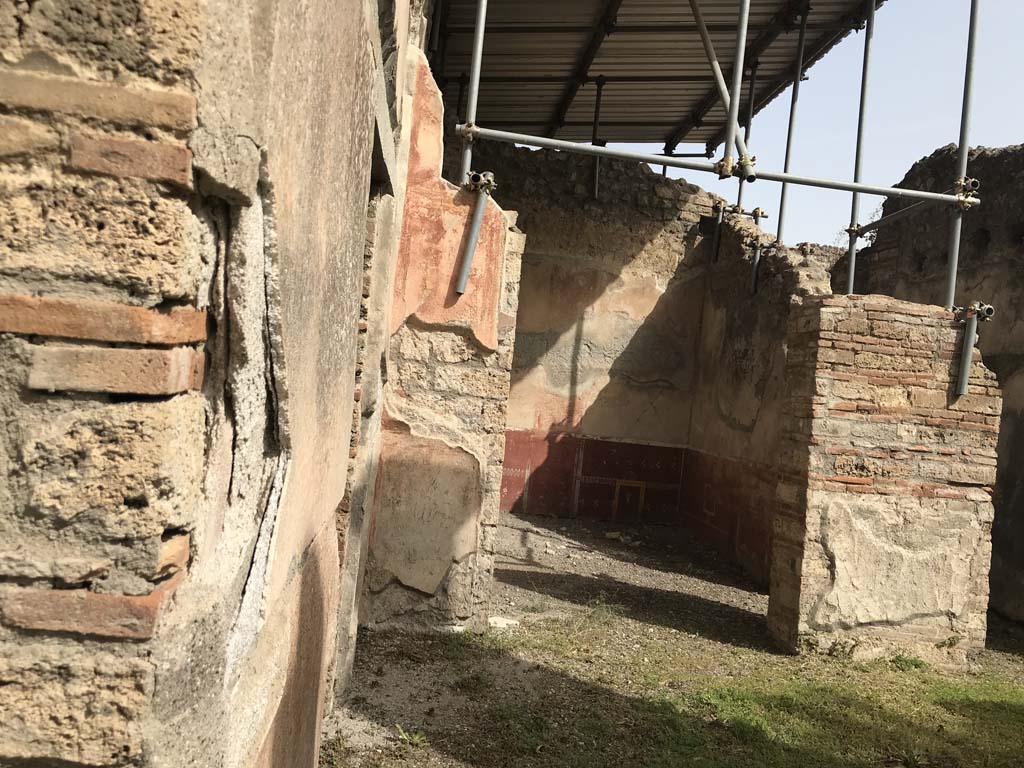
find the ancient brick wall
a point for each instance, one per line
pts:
(884, 510)
(908, 261)
(182, 255)
(437, 488)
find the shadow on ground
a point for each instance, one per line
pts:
(667, 548)
(687, 613)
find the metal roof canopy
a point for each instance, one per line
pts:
(542, 58)
(542, 66)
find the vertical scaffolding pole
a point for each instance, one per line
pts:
(967, 354)
(755, 264)
(737, 89)
(474, 86)
(746, 128)
(716, 240)
(798, 76)
(723, 89)
(851, 252)
(957, 220)
(597, 128)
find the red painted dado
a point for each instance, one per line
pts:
(435, 222)
(725, 503)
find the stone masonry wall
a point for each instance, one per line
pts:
(183, 202)
(884, 511)
(450, 357)
(908, 261)
(648, 379)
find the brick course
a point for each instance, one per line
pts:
(131, 158)
(84, 98)
(99, 320)
(127, 371)
(80, 612)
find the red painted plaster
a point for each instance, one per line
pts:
(436, 219)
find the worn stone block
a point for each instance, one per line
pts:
(174, 555)
(131, 158)
(128, 371)
(116, 471)
(65, 705)
(114, 238)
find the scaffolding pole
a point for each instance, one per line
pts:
(735, 94)
(755, 263)
(719, 78)
(474, 87)
(851, 252)
(798, 77)
(957, 219)
(747, 127)
(542, 142)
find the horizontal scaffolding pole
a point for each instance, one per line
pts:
(475, 132)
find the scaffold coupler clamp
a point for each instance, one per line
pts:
(744, 168)
(725, 167)
(467, 131)
(759, 213)
(480, 181)
(979, 309)
(966, 193)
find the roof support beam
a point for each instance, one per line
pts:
(625, 29)
(605, 26)
(589, 123)
(782, 22)
(512, 79)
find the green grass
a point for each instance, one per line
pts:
(412, 737)
(598, 690)
(860, 722)
(907, 663)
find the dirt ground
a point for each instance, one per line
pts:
(630, 648)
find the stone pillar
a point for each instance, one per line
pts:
(450, 360)
(882, 539)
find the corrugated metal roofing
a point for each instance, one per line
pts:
(659, 86)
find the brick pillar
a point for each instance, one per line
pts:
(882, 536)
(102, 359)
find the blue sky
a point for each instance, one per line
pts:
(914, 98)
